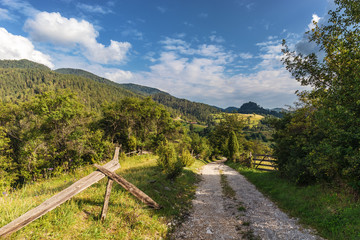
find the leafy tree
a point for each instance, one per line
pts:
(334, 75)
(169, 161)
(50, 134)
(233, 147)
(135, 122)
(219, 137)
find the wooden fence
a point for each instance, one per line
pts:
(79, 186)
(263, 162)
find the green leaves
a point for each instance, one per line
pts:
(327, 140)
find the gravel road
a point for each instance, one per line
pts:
(249, 215)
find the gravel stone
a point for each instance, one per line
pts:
(214, 216)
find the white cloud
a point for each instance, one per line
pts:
(18, 47)
(22, 6)
(201, 74)
(217, 39)
(53, 28)
(161, 9)
(203, 15)
(119, 76)
(93, 8)
(5, 15)
(246, 55)
(315, 19)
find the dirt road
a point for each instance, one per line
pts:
(248, 215)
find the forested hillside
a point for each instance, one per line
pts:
(24, 63)
(18, 84)
(191, 110)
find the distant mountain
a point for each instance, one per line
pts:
(24, 63)
(143, 90)
(22, 79)
(251, 107)
(231, 109)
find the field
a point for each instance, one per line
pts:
(250, 119)
(127, 217)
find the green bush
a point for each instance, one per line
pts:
(168, 160)
(186, 158)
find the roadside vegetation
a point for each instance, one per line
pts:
(127, 217)
(332, 210)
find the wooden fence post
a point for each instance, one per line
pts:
(106, 199)
(129, 187)
(59, 198)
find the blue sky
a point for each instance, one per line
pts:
(219, 52)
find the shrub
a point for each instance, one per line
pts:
(168, 160)
(186, 158)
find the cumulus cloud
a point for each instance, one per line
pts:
(70, 32)
(200, 73)
(315, 19)
(118, 75)
(18, 47)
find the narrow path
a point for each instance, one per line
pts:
(247, 216)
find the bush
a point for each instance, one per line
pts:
(186, 158)
(168, 160)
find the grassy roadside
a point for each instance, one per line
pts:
(127, 217)
(331, 211)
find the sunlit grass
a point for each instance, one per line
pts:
(127, 218)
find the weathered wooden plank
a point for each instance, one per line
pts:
(264, 165)
(59, 198)
(262, 155)
(106, 199)
(129, 187)
(264, 169)
(264, 160)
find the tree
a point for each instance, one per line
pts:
(233, 147)
(334, 75)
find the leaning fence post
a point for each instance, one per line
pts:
(106, 199)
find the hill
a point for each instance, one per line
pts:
(251, 107)
(191, 110)
(22, 79)
(24, 63)
(18, 84)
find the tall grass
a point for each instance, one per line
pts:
(330, 209)
(127, 218)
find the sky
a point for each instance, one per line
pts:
(219, 52)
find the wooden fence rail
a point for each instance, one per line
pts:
(263, 162)
(79, 186)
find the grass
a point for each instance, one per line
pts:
(331, 210)
(251, 120)
(127, 218)
(226, 188)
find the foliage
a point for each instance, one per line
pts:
(138, 123)
(47, 135)
(334, 100)
(233, 147)
(23, 63)
(192, 110)
(186, 158)
(253, 108)
(221, 133)
(19, 85)
(200, 146)
(169, 161)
